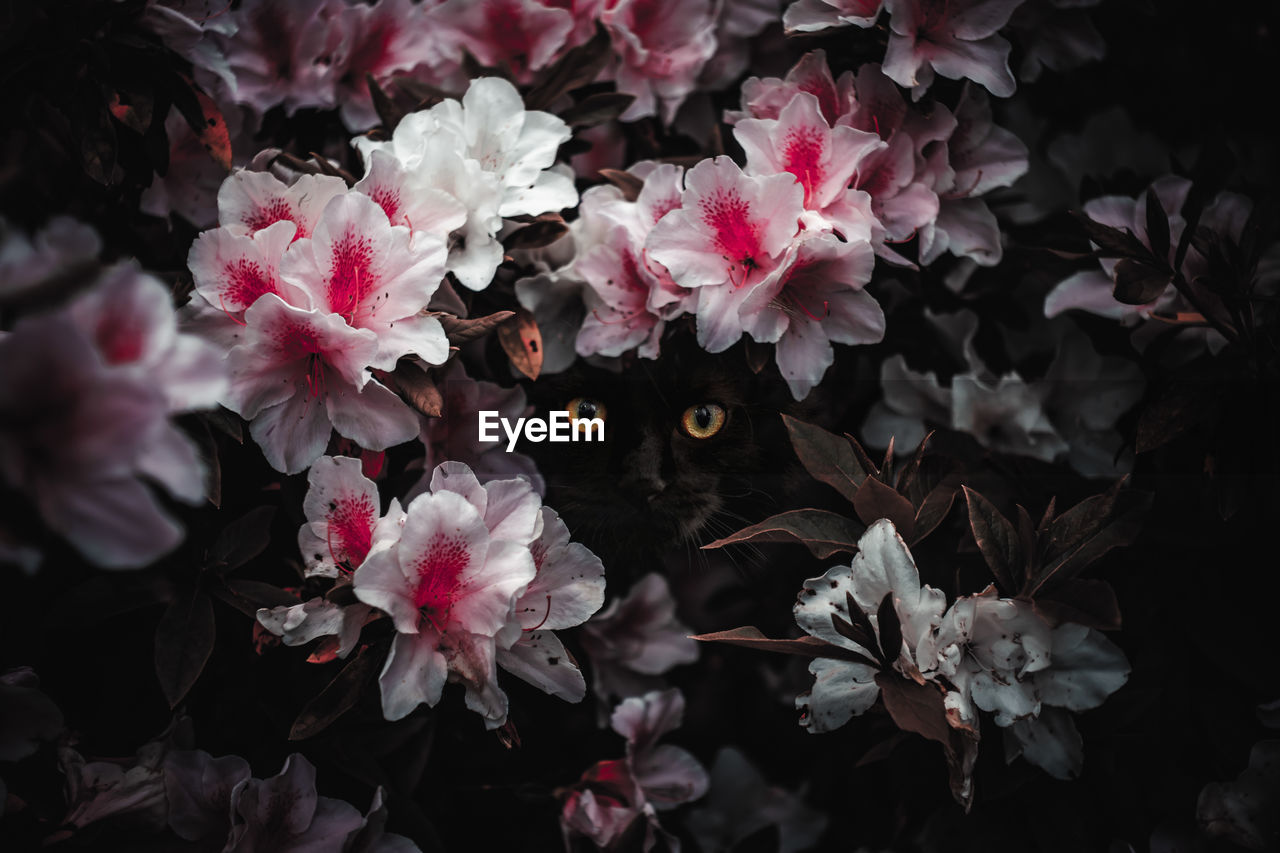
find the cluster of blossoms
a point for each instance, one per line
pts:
(311, 286)
(88, 393)
(781, 250)
(991, 654)
(1069, 411)
(473, 576)
(320, 54)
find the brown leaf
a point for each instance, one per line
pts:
(625, 181)
(576, 68)
(933, 510)
(874, 500)
(460, 330)
(1086, 602)
(823, 533)
(919, 708)
(214, 135)
(997, 540)
(827, 457)
(417, 387)
(522, 343)
(597, 109)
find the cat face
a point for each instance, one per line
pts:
(685, 456)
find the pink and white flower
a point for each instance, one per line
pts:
(661, 47)
(300, 374)
(731, 232)
(810, 16)
(956, 38)
(522, 35)
(814, 298)
(450, 584)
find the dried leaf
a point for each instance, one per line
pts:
(827, 457)
(338, 696)
(184, 642)
(522, 342)
(997, 540)
(823, 533)
(460, 330)
(417, 387)
(212, 133)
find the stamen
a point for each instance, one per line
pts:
(544, 618)
(231, 316)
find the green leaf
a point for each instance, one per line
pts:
(823, 533)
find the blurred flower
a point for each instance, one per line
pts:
(955, 38)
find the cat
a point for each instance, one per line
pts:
(694, 449)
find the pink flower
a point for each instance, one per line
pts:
(250, 201)
(450, 584)
(765, 99)
(808, 16)
(523, 35)
(661, 47)
(282, 53)
(300, 374)
(612, 795)
(955, 38)
(406, 200)
(374, 275)
(815, 297)
(285, 814)
(730, 233)
(636, 638)
(566, 591)
(62, 244)
(824, 159)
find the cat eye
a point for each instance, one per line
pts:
(703, 420)
(585, 408)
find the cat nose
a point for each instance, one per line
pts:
(643, 485)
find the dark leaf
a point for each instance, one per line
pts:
(1087, 602)
(522, 343)
(1028, 543)
(338, 696)
(325, 167)
(827, 457)
(541, 232)
(1112, 242)
(919, 708)
(227, 422)
(997, 540)
(1179, 406)
(1157, 227)
(1087, 531)
(1138, 283)
(749, 637)
(625, 181)
(933, 511)
(890, 630)
(202, 435)
(242, 539)
(882, 749)
(823, 533)
(184, 642)
(874, 500)
(447, 301)
(855, 634)
(261, 594)
(597, 109)
(388, 112)
(102, 597)
(418, 388)
(907, 479)
(576, 68)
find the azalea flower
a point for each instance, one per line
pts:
(284, 813)
(661, 47)
(635, 639)
(250, 200)
(729, 234)
(282, 53)
(809, 16)
(613, 795)
(522, 35)
(298, 375)
(955, 38)
(449, 585)
(882, 567)
(61, 245)
(492, 156)
(815, 297)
